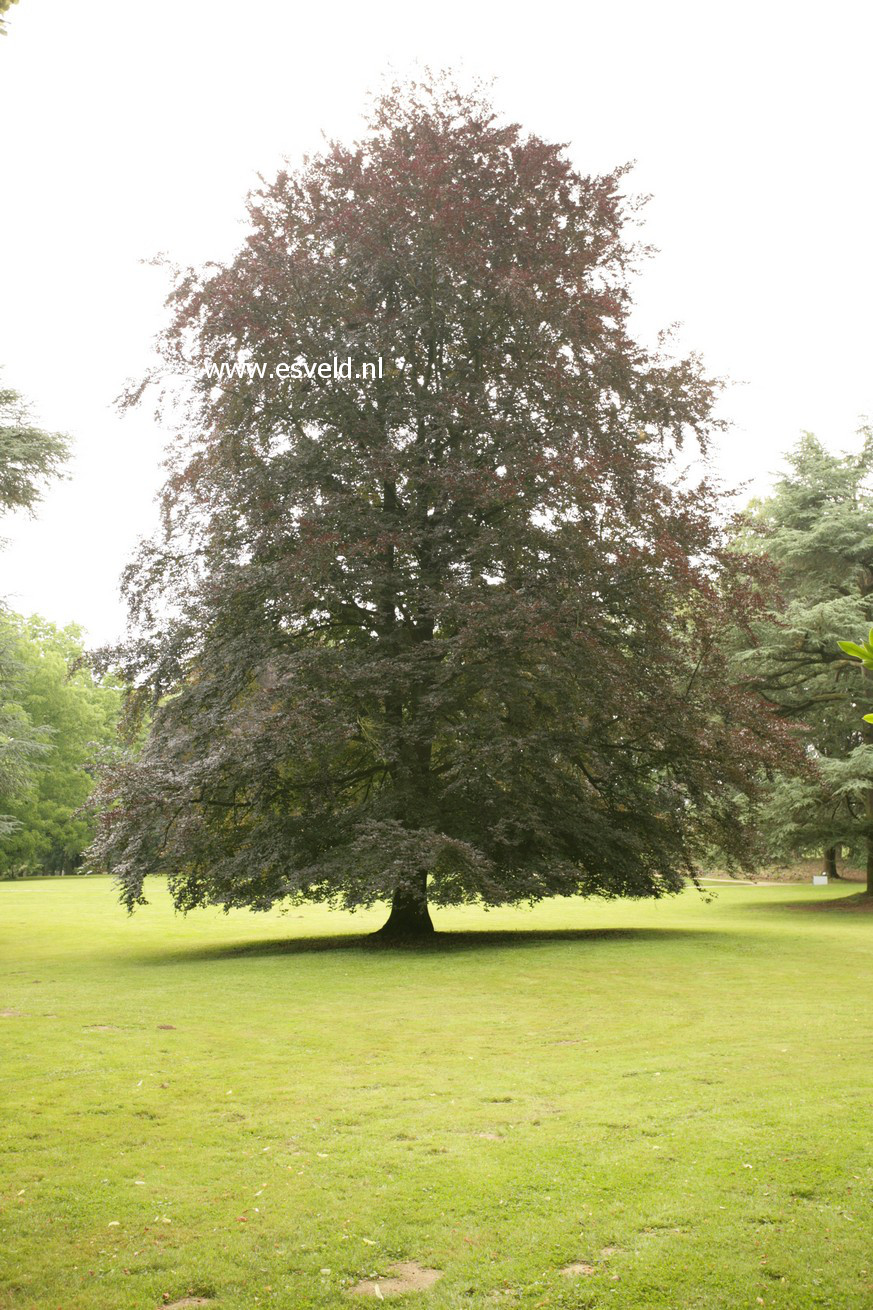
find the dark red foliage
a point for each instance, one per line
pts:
(461, 624)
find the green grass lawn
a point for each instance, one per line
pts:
(262, 1110)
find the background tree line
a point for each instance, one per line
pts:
(53, 700)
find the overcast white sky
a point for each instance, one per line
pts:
(130, 129)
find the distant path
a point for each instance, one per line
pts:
(761, 882)
(784, 882)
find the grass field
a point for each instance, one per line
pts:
(262, 1110)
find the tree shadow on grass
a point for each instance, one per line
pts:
(442, 943)
(853, 903)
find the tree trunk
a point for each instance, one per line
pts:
(867, 738)
(409, 917)
(830, 862)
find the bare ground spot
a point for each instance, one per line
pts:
(10, 1014)
(167, 1027)
(406, 1276)
(491, 1137)
(579, 1269)
(101, 1028)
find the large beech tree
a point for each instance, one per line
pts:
(452, 633)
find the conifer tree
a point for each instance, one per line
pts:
(817, 527)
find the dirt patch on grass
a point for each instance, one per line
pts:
(11, 1014)
(579, 1269)
(406, 1276)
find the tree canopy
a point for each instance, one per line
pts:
(29, 457)
(453, 632)
(5, 6)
